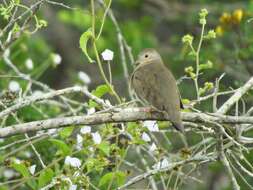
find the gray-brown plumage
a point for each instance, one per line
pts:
(154, 84)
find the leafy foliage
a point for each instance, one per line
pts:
(43, 50)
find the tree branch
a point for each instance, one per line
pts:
(233, 99)
(117, 116)
(166, 169)
(32, 99)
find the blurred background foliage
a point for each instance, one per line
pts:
(159, 24)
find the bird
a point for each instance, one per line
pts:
(155, 85)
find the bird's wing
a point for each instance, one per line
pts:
(136, 83)
(155, 84)
(164, 92)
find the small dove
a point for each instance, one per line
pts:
(155, 85)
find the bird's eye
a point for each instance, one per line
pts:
(146, 56)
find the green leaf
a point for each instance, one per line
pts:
(185, 101)
(93, 164)
(4, 12)
(66, 132)
(21, 168)
(62, 146)
(104, 147)
(42, 23)
(207, 65)
(16, 28)
(45, 177)
(100, 91)
(24, 171)
(83, 43)
(117, 178)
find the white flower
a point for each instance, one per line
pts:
(91, 111)
(153, 147)
(79, 142)
(91, 149)
(56, 59)
(28, 154)
(32, 169)
(14, 86)
(85, 129)
(29, 64)
(72, 161)
(165, 163)
(96, 137)
(162, 164)
(151, 125)
(8, 173)
(79, 139)
(52, 131)
(17, 161)
(108, 102)
(107, 55)
(84, 77)
(72, 187)
(145, 137)
(37, 93)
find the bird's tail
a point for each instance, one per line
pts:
(178, 126)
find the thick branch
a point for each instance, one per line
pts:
(118, 115)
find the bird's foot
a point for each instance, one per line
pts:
(152, 109)
(147, 109)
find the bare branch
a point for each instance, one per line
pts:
(233, 99)
(226, 164)
(35, 98)
(166, 169)
(117, 116)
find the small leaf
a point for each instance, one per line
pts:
(42, 23)
(16, 28)
(62, 146)
(117, 179)
(21, 168)
(66, 132)
(93, 164)
(83, 43)
(45, 177)
(185, 101)
(24, 171)
(202, 91)
(207, 65)
(100, 91)
(104, 147)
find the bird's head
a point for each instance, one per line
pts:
(148, 55)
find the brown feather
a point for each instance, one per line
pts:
(154, 84)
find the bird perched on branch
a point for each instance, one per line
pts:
(155, 85)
